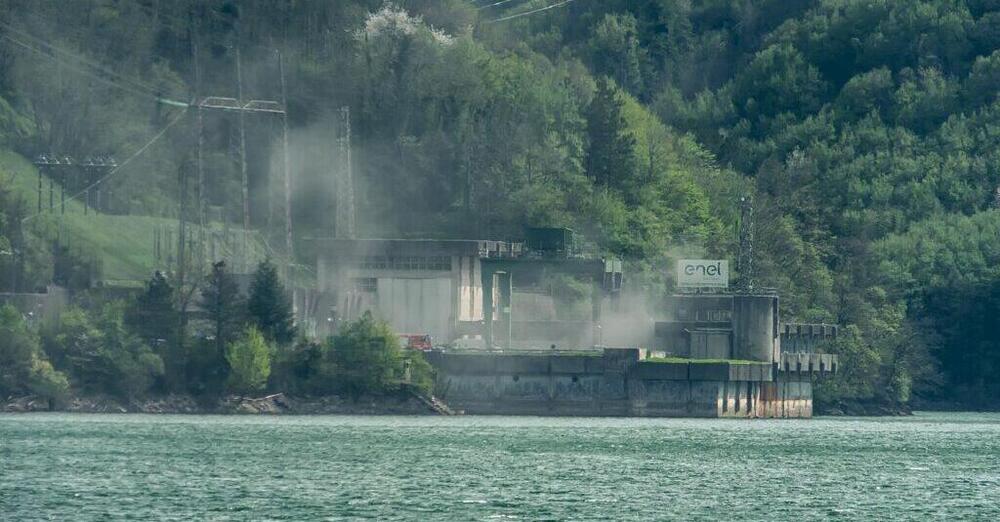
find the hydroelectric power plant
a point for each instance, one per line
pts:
(503, 348)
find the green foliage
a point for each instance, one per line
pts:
(100, 354)
(249, 359)
(23, 366)
(866, 131)
(269, 305)
(610, 158)
(858, 374)
(367, 357)
(419, 372)
(304, 368)
(224, 305)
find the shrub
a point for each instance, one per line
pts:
(249, 359)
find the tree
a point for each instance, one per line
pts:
(616, 51)
(224, 306)
(269, 306)
(101, 354)
(155, 320)
(153, 317)
(367, 356)
(249, 359)
(23, 366)
(611, 156)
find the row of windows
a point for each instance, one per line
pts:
(705, 315)
(405, 263)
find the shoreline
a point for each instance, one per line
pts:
(397, 404)
(275, 404)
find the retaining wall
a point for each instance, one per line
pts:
(617, 383)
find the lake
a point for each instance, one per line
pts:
(172, 467)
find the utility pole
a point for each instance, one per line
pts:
(181, 225)
(199, 154)
(243, 155)
(289, 246)
(745, 259)
(345, 182)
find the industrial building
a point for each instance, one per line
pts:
(474, 290)
(711, 351)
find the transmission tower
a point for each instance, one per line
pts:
(345, 181)
(745, 260)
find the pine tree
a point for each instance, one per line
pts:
(153, 318)
(269, 306)
(611, 157)
(224, 305)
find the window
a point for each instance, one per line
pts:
(366, 284)
(442, 263)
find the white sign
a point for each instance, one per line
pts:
(703, 273)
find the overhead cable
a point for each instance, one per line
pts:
(533, 11)
(495, 4)
(132, 86)
(122, 165)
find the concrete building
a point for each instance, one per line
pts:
(452, 289)
(724, 359)
(418, 286)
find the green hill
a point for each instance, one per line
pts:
(125, 245)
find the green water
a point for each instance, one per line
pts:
(139, 467)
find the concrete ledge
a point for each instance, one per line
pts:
(666, 371)
(522, 364)
(709, 371)
(571, 364)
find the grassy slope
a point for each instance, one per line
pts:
(123, 243)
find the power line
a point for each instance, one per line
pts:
(495, 4)
(56, 49)
(533, 11)
(122, 165)
(139, 91)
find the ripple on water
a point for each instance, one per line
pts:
(89, 467)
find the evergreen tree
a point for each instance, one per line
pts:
(153, 317)
(269, 305)
(224, 305)
(611, 157)
(155, 320)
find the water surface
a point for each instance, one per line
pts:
(172, 467)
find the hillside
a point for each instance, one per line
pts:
(123, 245)
(864, 131)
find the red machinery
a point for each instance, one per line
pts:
(416, 341)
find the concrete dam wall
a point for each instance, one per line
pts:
(616, 382)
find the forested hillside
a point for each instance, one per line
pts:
(866, 131)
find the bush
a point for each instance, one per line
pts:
(102, 355)
(367, 357)
(249, 359)
(421, 373)
(46, 381)
(23, 366)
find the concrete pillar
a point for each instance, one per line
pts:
(596, 294)
(753, 327)
(487, 280)
(506, 284)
